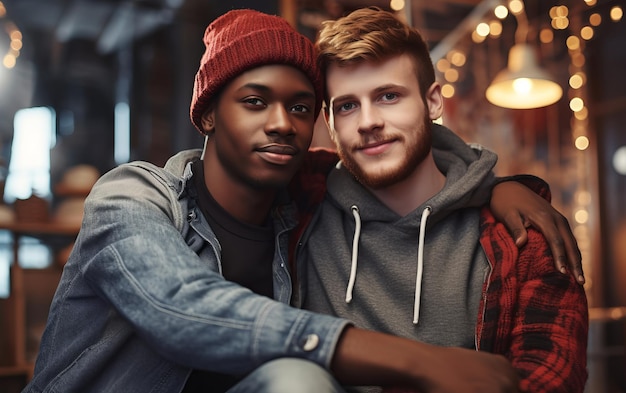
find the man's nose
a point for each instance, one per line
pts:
(369, 118)
(278, 121)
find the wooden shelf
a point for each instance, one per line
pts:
(607, 314)
(63, 190)
(25, 310)
(41, 228)
(16, 371)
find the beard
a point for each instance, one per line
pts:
(416, 152)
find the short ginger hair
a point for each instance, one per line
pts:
(372, 34)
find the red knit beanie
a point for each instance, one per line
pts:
(244, 39)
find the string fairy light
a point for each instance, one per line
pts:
(15, 37)
(581, 31)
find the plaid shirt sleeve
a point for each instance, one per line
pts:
(534, 315)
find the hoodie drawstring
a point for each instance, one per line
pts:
(420, 265)
(355, 252)
(420, 259)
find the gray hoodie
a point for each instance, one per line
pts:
(418, 276)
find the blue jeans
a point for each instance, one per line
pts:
(288, 375)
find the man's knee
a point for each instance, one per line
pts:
(289, 376)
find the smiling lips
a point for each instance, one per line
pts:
(376, 148)
(277, 154)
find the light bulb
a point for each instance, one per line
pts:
(522, 85)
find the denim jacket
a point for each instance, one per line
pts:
(142, 301)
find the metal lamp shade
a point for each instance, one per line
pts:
(523, 84)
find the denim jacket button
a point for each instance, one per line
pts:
(311, 342)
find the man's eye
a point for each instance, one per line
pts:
(389, 96)
(345, 107)
(300, 108)
(253, 101)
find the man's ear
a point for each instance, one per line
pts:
(208, 121)
(434, 101)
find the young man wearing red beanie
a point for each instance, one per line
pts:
(179, 279)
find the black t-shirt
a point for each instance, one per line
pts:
(247, 255)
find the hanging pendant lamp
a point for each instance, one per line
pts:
(523, 84)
